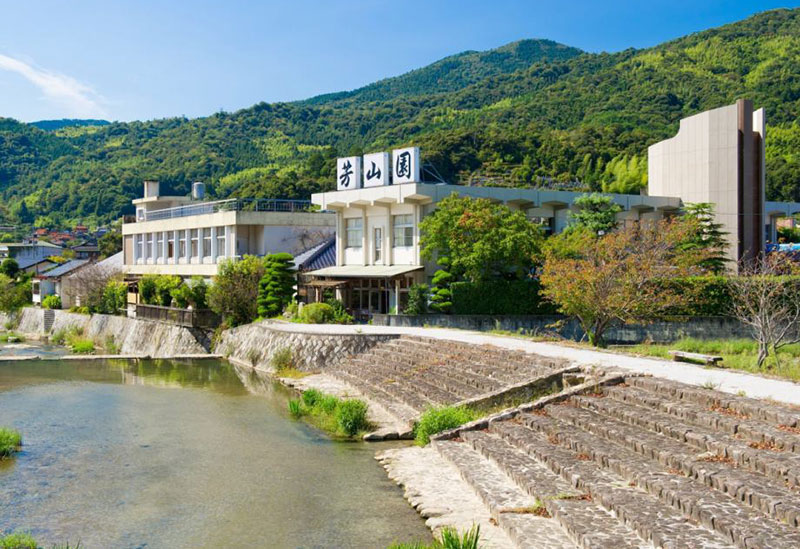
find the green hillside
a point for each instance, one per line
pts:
(530, 113)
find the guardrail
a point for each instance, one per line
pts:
(231, 205)
(189, 318)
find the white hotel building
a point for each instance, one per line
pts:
(717, 156)
(176, 235)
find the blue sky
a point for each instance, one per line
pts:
(126, 60)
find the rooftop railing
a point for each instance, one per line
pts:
(230, 205)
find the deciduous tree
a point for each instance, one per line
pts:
(615, 277)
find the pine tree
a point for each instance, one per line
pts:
(441, 295)
(708, 235)
(276, 287)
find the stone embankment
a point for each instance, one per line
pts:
(130, 336)
(312, 350)
(647, 462)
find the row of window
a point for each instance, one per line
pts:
(151, 245)
(403, 235)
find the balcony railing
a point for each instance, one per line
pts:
(198, 318)
(230, 205)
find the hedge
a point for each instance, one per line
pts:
(501, 297)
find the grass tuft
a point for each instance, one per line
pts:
(450, 539)
(345, 418)
(436, 420)
(10, 442)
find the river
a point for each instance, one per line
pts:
(183, 454)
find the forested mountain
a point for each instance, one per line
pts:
(530, 113)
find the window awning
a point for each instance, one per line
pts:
(368, 271)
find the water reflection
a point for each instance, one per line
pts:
(183, 454)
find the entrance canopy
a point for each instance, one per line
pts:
(365, 271)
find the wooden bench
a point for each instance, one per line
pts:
(695, 357)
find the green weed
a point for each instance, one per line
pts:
(10, 442)
(436, 420)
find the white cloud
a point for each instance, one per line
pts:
(78, 99)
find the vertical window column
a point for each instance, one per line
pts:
(214, 245)
(164, 247)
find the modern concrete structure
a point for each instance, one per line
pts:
(188, 237)
(718, 157)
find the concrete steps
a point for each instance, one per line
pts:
(650, 463)
(419, 373)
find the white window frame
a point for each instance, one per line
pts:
(403, 226)
(354, 231)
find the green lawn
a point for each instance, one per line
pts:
(737, 354)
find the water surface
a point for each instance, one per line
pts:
(183, 454)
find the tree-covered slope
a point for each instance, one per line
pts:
(530, 113)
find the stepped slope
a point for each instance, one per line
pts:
(410, 374)
(645, 463)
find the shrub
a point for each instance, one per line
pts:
(441, 293)
(10, 268)
(10, 441)
(340, 315)
(234, 294)
(182, 296)
(282, 360)
(165, 285)
(317, 313)
(82, 346)
(115, 297)
(436, 420)
(499, 297)
(147, 289)
(418, 295)
(351, 416)
(51, 302)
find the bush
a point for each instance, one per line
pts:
(51, 302)
(115, 297)
(317, 313)
(340, 315)
(10, 442)
(147, 289)
(351, 416)
(499, 297)
(436, 420)
(418, 295)
(441, 293)
(165, 285)
(234, 294)
(282, 360)
(58, 337)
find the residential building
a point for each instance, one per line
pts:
(29, 253)
(50, 281)
(717, 157)
(190, 237)
(77, 285)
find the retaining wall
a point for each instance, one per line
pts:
(255, 345)
(131, 336)
(657, 332)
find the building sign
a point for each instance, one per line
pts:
(405, 163)
(376, 169)
(348, 173)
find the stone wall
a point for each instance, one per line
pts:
(657, 332)
(255, 345)
(131, 336)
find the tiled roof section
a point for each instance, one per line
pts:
(64, 268)
(320, 256)
(30, 262)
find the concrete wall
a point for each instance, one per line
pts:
(255, 345)
(657, 332)
(131, 336)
